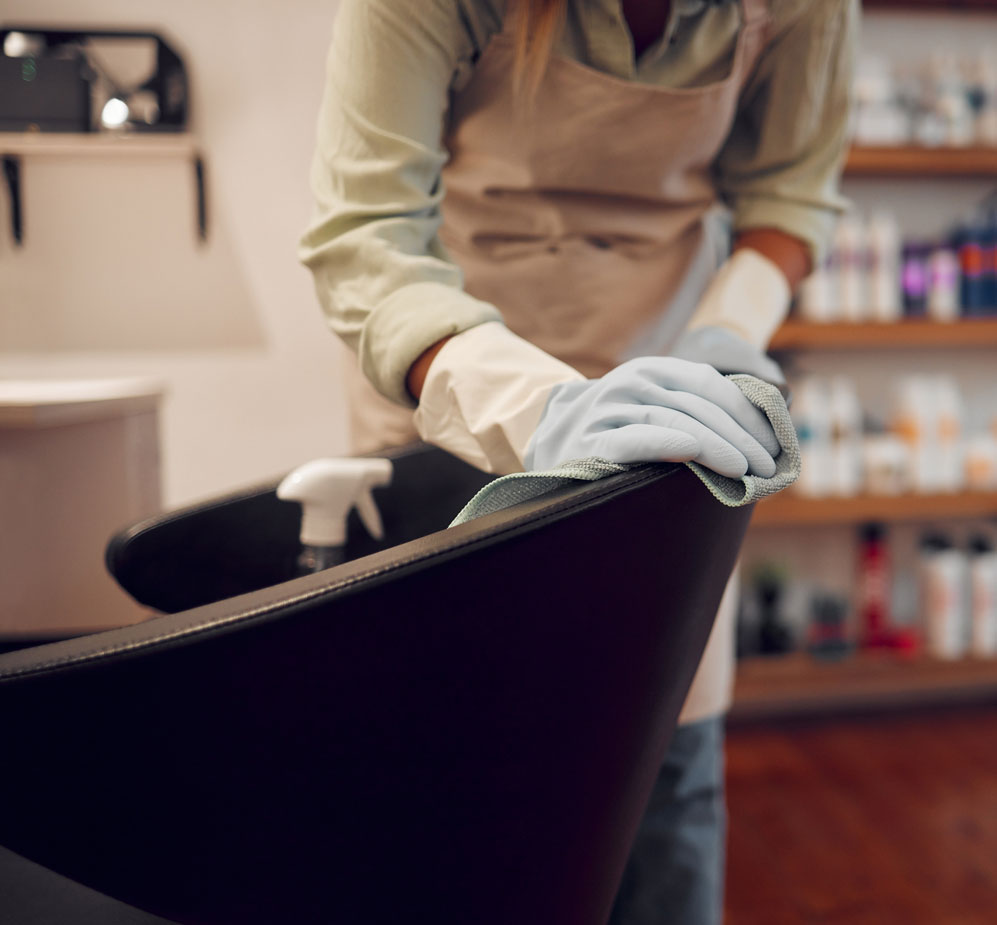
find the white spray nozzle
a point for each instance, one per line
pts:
(328, 489)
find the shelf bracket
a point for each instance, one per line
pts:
(201, 201)
(12, 174)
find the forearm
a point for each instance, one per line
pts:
(416, 378)
(791, 255)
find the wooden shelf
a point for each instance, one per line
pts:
(803, 335)
(916, 161)
(97, 144)
(147, 146)
(787, 509)
(801, 684)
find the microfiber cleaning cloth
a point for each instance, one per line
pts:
(525, 486)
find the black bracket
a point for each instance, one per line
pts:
(12, 173)
(202, 208)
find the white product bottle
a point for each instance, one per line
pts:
(851, 264)
(885, 302)
(916, 422)
(811, 415)
(944, 598)
(885, 465)
(328, 489)
(983, 596)
(818, 298)
(846, 437)
(944, 303)
(981, 463)
(951, 444)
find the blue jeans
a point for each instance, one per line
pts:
(675, 874)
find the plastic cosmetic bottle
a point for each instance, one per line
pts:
(851, 261)
(951, 445)
(811, 415)
(914, 278)
(873, 605)
(817, 300)
(885, 302)
(944, 604)
(328, 489)
(972, 265)
(983, 596)
(846, 437)
(943, 284)
(916, 422)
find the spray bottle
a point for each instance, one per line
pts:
(328, 489)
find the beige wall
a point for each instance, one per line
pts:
(112, 281)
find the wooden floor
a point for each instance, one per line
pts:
(864, 821)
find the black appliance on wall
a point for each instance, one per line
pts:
(83, 80)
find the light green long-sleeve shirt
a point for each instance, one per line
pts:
(384, 281)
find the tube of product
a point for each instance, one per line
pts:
(811, 415)
(851, 261)
(973, 286)
(914, 278)
(943, 579)
(884, 267)
(846, 437)
(983, 596)
(943, 284)
(873, 588)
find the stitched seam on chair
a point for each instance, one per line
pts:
(263, 608)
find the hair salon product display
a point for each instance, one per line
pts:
(923, 448)
(948, 100)
(956, 594)
(939, 599)
(327, 490)
(959, 597)
(874, 274)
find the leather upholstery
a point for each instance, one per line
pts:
(460, 728)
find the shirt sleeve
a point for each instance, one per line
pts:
(384, 281)
(781, 165)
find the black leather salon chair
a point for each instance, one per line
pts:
(456, 726)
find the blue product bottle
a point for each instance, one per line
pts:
(988, 244)
(971, 263)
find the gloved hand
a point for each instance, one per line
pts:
(728, 353)
(655, 409)
(498, 402)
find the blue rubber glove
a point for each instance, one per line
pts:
(654, 409)
(728, 353)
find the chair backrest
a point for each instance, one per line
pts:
(461, 728)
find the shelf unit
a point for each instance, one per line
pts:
(978, 333)
(800, 684)
(792, 510)
(912, 161)
(99, 144)
(936, 6)
(16, 146)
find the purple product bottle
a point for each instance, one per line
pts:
(914, 280)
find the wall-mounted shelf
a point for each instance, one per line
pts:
(803, 335)
(787, 509)
(98, 144)
(799, 684)
(937, 6)
(913, 161)
(15, 146)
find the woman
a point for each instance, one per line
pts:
(517, 235)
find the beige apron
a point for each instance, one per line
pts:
(579, 220)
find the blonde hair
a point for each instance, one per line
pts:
(535, 28)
